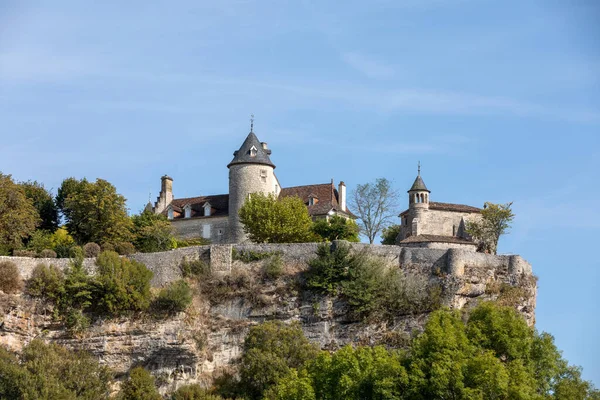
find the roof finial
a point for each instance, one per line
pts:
(149, 197)
(419, 168)
(251, 123)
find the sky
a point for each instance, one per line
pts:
(499, 101)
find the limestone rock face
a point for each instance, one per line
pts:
(200, 344)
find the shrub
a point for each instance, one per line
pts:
(124, 248)
(46, 281)
(10, 279)
(91, 250)
(40, 240)
(193, 392)
(62, 242)
(123, 284)
(196, 268)
(273, 268)
(76, 321)
(139, 386)
(174, 298)
(179, 243)
(107, 247)
(248, 256)
(329, 268)
(24, 253)
(47, 253)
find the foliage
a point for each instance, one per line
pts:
(44, 204)
(180, 243)
(194, 269)
(329, 268)
(271, 350)
(375, 204)
(152, 232)
(495, 221)
(174, 298)
(49, 371)
(94, 211)
(10, 279)
(46, 281)
(125, 248)
(47, 253)
(18, 215)
(389, 234)
(62, 242)
(40, 240)
(24, 253)
(273, 267)
(91, 250)
(122, 284)
(193, 392)
(336, 228)
(139, 386)
(268, 219)
(248, 256)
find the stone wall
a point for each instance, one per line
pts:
(190, 228)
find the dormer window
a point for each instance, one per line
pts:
(187, 211)
(207, 209)
(170, 213)
(312, 200)
(253, 151)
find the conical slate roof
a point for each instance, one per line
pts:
(245, 155)
(419, 185)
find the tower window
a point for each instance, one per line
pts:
(253, 151)
(263, 175)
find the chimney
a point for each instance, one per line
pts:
(342, 195)
(265, 147)
(166, 194)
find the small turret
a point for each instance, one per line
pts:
(418, 194)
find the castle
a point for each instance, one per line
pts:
(215, 217)
(251, 170)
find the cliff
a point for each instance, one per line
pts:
(201, 343)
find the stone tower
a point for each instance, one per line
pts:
(166, 194)
(418, 203)
(250, 171)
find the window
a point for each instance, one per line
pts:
(207, 208)
(170, 213)
(206, 231)
(253, 151)
(188, 211)
(263, 175)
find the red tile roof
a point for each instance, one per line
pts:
(436, 238)
(448, 207)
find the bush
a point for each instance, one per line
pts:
(193, 392)
(122, 284)
(47, 253)
(46, 281)
(174, 298)
(196, 268)
(107, 247)
(24, 253)
(40, 240)
(62, 242)
(273, 268)
(124, 248)
(248, 256)
(91, 250)
(179, 243)
(139, 386)
(329, 268)
(10, 279)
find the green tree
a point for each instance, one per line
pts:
(329, 268)
(389, 234)
(95, 212)
(18, 216)
(174, 298)
(495, 221)
(267, 219)
(122, 284)
(43, 202)
(336, 228)
(271, 351)
(49, 371)
(193, 392)
(139, 386)
(152, 232)
(376, 205)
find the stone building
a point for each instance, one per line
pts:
(251, 170)
(434, 225)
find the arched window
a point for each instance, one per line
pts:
(170, 213)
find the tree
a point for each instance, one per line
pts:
(18, 216)
(43, 202)
(495, 221)
(271, 350)
(268, 219)
(389, 234)
(94, 212)
(376, 205)
(336, 228)
(139, 386)
(152, 232)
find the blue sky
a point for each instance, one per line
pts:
(500, 102)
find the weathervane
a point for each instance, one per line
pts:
(419, 168)
(251, 123)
